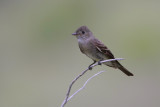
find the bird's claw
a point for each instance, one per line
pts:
(99, 63)
(90, 68)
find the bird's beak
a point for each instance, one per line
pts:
(74, 34)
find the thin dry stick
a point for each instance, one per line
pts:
(70, 86)
(85, 84)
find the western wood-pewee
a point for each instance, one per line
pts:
(95, 49)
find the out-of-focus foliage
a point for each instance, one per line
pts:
(39, 57)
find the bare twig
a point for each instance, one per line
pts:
(85, 84)
(70, 86)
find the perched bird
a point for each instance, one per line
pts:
(96, 50)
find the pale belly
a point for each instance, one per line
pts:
(97, 56)
(92, 52)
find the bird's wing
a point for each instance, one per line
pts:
(102, 48)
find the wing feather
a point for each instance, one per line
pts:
(103, 49)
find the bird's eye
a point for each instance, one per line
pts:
(83, 32)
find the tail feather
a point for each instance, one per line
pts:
(124, 70)
(116, 64)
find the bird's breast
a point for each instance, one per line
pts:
(90, 50)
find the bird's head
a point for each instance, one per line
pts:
(82, 32)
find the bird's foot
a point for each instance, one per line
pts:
(99, 63)
(89, 67)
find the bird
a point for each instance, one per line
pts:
(96, 50)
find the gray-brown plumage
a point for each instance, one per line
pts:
(95, 49)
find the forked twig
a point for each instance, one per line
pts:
(70, 86)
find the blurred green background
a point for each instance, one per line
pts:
(39, 57)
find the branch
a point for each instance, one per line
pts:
(70, 86)
(85, 84)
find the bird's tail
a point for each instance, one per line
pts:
(124, 70)
(116, 64)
